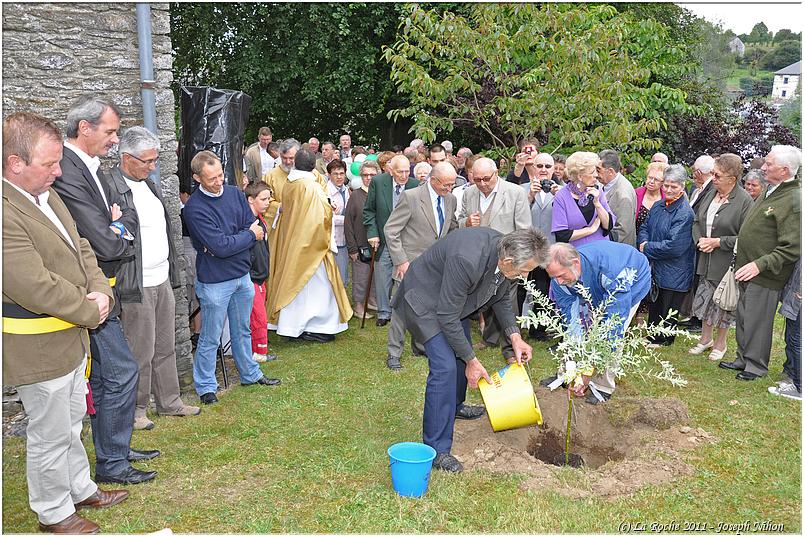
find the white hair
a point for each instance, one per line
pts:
(136, 140)
(705, 163)
(447, 145)
(787, 156)
(422, 166)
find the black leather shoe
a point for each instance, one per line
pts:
(447, 463)
(264, 381)
(469, 412)
(383, 322)
(135, 455)
(393, 363)
(592, 400)
(317, 338)
(131, 477)
(545, 382)
(730, 365)
(745, 375)
(209, 398)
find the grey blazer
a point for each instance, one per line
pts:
(511, 210)
(454, 278)
(726, 226)
(411, 229)
(541, 213)
(622, 202)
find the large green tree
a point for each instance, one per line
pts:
(788, 52)
(575, 76)
(311, 69)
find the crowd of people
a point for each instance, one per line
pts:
(429, 241)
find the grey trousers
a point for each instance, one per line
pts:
(396, 337)
(605, 382)
(360, 275)
(342, 260)
(150, 329)
(57, 467)
(492, 334)
(756, 309)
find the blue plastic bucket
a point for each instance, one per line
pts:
(411, 463)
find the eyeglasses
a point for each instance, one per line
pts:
(485, 179)
(654, 180)
(148, 162)
(542, 166)
(367, 174)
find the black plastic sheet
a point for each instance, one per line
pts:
(215, 120)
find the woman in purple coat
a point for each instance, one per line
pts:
(580, 211)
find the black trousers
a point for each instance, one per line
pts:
(657, 311)
(542, 281)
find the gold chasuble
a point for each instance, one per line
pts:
(276, 179)
(302, 241)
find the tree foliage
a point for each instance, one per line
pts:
(790, 116)
(786, 53)
(311, 69)
(575, 76)
(760, 34)
(748, 128)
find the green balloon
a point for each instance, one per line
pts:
(372, 156)
(355, 168)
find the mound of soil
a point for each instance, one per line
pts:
(618, 447)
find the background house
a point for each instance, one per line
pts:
(786, 80)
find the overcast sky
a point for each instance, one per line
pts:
(741, 17)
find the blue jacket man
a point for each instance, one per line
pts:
(604, 268)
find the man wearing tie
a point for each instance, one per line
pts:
(466, 271)
(422, 216)
(384, 193)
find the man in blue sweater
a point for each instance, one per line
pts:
(603, 267)
(223, 230)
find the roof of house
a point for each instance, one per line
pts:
(792, 69)
(737, 39)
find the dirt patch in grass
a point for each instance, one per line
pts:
(617, 447)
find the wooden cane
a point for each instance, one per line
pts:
(368, 289)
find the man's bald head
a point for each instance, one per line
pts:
(484, 172)
(399, 168)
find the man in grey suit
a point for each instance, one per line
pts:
(502, 206)
(539, 191)
(620, 195)
(465, 271)
(422, 216)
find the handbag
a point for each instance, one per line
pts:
(653, 295)
(364, 254)
(727, 293)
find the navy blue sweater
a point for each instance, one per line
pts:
(219, 231)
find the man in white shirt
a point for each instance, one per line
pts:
(145, 282)
(92, 125)
(258, 160)
(346, 147)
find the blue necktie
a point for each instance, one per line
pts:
(440, 216)
(397, 191)
(343, 195)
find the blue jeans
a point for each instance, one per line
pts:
(792, 348)
(383, 282)
(233, 298)
(445, 392)
(113, 380)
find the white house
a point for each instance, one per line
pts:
(736, 46)
(785, 81)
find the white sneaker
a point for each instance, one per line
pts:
(699, 348)
(259, 358)
(787, 390)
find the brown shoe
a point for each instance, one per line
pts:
(480, 346)
(103, 498)
(185, 410)
(72, 525)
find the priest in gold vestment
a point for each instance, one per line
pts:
(306, 297)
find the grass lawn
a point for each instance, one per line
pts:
(310, 457)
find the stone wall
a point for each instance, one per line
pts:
(53, 53)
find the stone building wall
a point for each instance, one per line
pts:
(55, 52)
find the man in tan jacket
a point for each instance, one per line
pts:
(52, 293)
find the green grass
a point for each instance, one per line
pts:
(310, 457)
